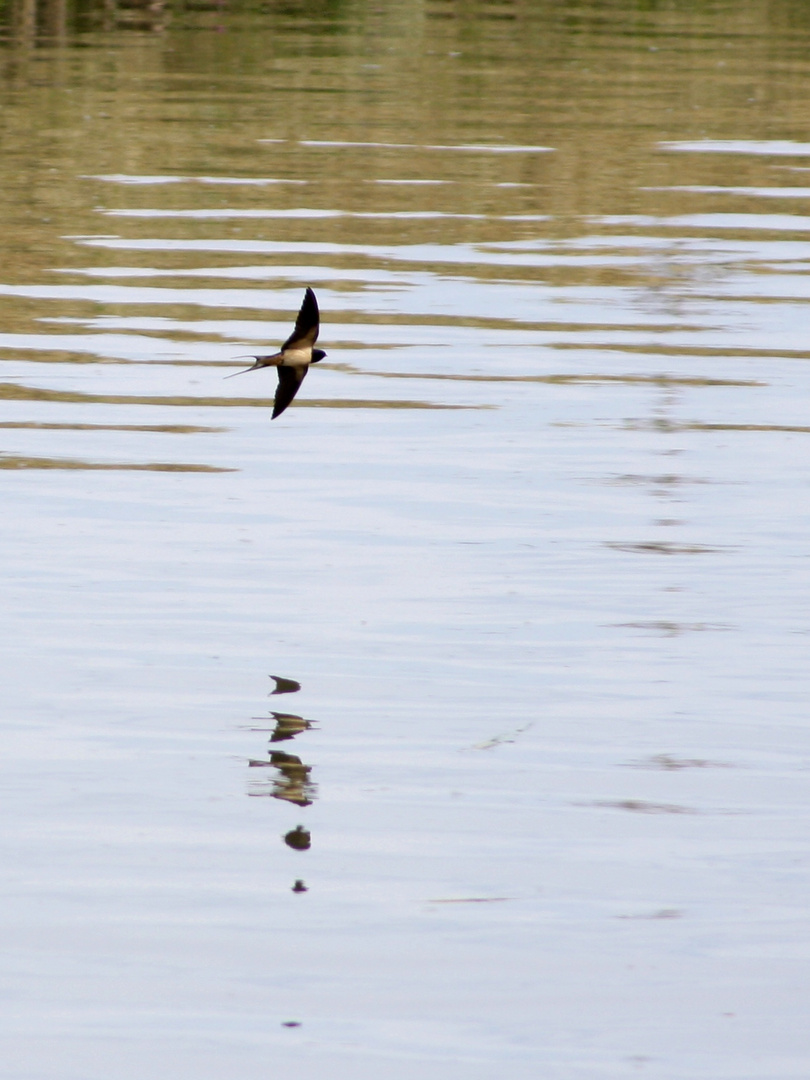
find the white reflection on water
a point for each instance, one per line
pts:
(707, 222)
(470, 148)
(239, 181)
(758, 192)
(306, 213)
(756, 147)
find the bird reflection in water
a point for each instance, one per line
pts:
(291, 780)
(293, 784)
(300, 839)
(288, 725)
(284, 686)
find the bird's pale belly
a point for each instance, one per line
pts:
(297, 357)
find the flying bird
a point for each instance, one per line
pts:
(297, 353)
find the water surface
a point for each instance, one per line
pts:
(455, 721)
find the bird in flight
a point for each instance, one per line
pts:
(297, 353)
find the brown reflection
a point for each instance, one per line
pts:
(293, 785)
(23, 21)
(639, 806)
(18, 392)
(288, 725)
(669, 763)
(661, 913)
(299, 839)
(9, 461)
(284, 686)
(602, 83)
(696, 425)
(661, 547)
(671, 629)
(291, 780)
(169, 429)
(561, 379)
(33, 19)
(142, 15)
(54, 18)
(662, 486)
(473, 900)
(349, 403)
(663, 480)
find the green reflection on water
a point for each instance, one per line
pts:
(363, 109)
(83, 94)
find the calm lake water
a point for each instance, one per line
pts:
(528, 556)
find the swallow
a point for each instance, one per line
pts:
(296, 354)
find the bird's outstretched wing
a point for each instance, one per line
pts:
(307, 325)
(289, 379)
